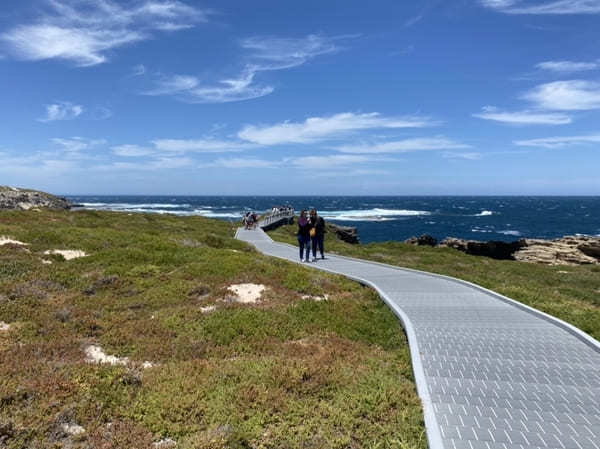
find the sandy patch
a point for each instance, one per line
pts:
(4, 326)
(208, 309)
(165, 443)
(247, 293)
(316, 298)
(8, 241)
(72, 429)
(46, 262)
(95, 354)
(68, 254)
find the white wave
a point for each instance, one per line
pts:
(484, 213)
(480, 230)
(510, 232)
(375, 214)
(116, 206)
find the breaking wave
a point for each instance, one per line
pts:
(484, 213)
(375, 214)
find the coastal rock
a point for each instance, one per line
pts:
(348, 234)
(494, 249)
(423, 240)
(12, 198)
(569, 250)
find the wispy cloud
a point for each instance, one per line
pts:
(571, 95)
(560, 142)
(276, 53)
(138, 70)
(567, 66)
(206, 145)
(262, 54)
(189, 89)
(472, 156)
(544, 7)
(321, 128)
(132, 150)
(241, 163)
(63, 110)
(77, 144)
(403, 146)
(83, 31)
(327, 162)
(523, 117)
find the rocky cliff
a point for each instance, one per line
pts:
(13, 198)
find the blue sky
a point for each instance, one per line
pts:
(272, 97)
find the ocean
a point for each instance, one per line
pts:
(393, 217)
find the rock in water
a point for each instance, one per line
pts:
(12, 198)
(348, 234)
(423, 240)
(494, 249)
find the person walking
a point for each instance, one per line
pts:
(304, 228)
(317, 234)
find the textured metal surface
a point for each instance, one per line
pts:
(491, 373)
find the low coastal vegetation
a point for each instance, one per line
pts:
(571, 293)
(131, 330)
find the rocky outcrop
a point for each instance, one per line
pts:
(12, 198)
(570, 250)
(494, 249)
(348, 234)
(423, 240)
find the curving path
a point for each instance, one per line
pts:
(491, 373)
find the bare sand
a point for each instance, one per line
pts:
(247, 293)
(8, 241)
(68, 254)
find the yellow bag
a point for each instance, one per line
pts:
(313, 232)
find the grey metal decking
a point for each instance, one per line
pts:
(491, 373)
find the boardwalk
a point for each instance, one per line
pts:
(491, 374)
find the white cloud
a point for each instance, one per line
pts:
(62, 111)
(132, 150)
(544, 7)
(473, 156)
(242, 163)
(567, 66)
(523, 117)
(320, 128)
(264, 53)
(200, 145)
(404, 146)
(275, 53)
(559, 142)
(572, 95)
(83, 31)
(327, 162)
(160, 163)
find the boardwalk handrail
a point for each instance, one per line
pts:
(273, 217)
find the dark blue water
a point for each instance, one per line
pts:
(394, 218)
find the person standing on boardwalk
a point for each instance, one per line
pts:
(304, 228)
(317, 234)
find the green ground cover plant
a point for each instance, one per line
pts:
(286, 372)
(571, 293)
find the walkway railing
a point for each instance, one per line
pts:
(274, 217)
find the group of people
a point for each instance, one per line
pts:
(250, 220)
(311, 233)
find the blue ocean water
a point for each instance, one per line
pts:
(393, 218)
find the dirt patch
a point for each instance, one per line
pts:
(4, 326)
(8, 241)
(247, 293)
(68, 254)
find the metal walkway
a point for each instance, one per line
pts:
(491, 372)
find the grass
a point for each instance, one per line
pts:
(283, 373)
(571, 293)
